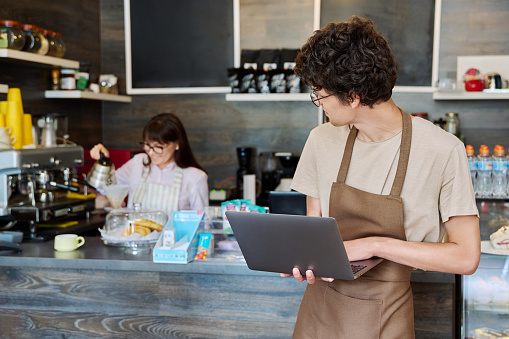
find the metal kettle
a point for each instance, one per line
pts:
(102, 172)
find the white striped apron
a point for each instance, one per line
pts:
(157, 196)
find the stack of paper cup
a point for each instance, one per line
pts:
(28, 137)
(14, 115)
(14, 120)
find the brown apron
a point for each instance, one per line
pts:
(379, 304)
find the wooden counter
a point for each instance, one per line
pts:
(106, 292)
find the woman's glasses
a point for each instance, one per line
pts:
(155, 149)
(315, 99)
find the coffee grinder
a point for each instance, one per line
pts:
(288, 163)
(244, 156)
(268, 165)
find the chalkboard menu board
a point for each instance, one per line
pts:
(178, 44)
(407, 25)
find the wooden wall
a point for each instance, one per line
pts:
(216, 126)
(78, 22)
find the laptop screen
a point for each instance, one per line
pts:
(287, 202)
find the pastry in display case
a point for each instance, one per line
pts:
(485, 294)
(133, 227)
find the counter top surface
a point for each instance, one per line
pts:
(95, 255)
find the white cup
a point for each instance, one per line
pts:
(6, 140)
(68, 242)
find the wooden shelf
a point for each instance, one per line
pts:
(38, 59)
(470, 96)
(86, 95)
(4, 88)
(268, 97)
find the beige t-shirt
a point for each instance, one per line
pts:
(437, 184)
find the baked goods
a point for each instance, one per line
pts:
(128, 230)
(154, 226)
(500, 238)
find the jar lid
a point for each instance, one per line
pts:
(9, 23)
(56, 34)
(67, 71)
(27, 26)
(46, 31)
(420, 114)
(451, 114)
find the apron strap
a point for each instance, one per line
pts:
(404, 154)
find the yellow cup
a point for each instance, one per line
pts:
(2, 120)
(14, 94)
(3, 107)
(14, 120)
(68, 242)
(28, 137)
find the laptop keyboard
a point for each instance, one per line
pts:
(357, 268)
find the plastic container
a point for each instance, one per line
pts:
(133, 227)
(11, 35)
(485, 168)
(499, 182)
(472, 164)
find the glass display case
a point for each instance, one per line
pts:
(484, 309)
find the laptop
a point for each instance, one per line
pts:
(292, 202)
(280, 242)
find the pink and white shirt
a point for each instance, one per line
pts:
(194, 191)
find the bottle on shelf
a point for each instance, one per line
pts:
(472, 163)
(484, 170)
(499, 183)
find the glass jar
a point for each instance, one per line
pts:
(60, 45)
(131, 227)
(452, 124)
(67, 79)
(52, 44)
(44, 42)
(32, 40)
(11, 35)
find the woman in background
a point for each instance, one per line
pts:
(167, 176)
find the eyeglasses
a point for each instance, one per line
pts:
(315, 98)
(155, 149)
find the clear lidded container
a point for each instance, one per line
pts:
(32, 39)
(44, 42)
(133, 227)
(11, 35)
(60, 45)
(52, 44)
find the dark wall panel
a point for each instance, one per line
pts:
(78, 22)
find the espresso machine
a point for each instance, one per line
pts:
(35, 186)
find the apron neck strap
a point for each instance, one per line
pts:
(404, 154)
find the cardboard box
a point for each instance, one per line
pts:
(185, 223)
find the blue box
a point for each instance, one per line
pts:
(185, 223)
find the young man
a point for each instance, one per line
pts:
(394, 184)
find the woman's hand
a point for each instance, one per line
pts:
(95, 152)
(310, 276)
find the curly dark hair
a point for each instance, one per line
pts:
(349, 59)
